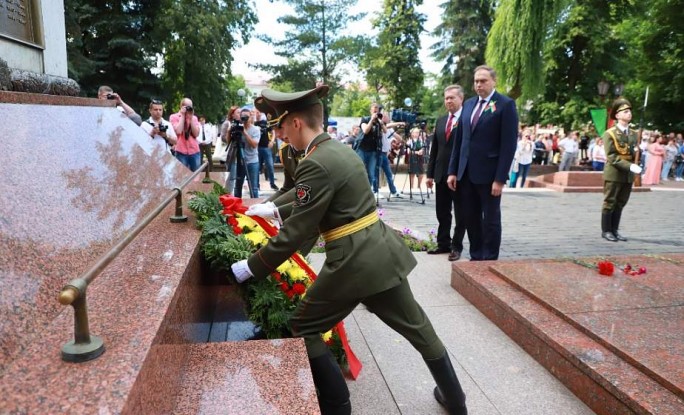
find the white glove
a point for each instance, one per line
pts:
(635, 168)
(241, 271)
(266, 210)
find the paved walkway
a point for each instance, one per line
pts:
(498, 377)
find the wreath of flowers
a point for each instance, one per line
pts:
(292, 278)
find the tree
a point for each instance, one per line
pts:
(106, 45)
(316, 39)
(195, 39)
(462, 41)
(515, 44)
(394, 63)
(583, 49)
(353, 101)
(657, 34)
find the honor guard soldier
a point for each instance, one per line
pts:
(621, 148)
(366, 261)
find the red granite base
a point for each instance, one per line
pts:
(615, 342)
(574, 182)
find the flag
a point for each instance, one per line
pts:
(600, 117)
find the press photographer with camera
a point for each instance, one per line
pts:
(106, 92)
(369, 150)
(231, 152)
(158, 128)
(246, 135)
(187, 128)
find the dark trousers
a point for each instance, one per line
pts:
(482, 216)
(396, 307)
(445, 201)
(615, 195)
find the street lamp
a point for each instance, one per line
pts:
(408, 102)
(603, 88)
(618, 88)
(241, 94)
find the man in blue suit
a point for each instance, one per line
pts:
(485, 145)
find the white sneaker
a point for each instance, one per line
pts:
(396, 195)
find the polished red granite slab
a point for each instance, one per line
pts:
(640, 317)
(260, 377)
(79, 179)
(594, 369)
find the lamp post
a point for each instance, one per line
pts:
(603, 89)
(241, 93)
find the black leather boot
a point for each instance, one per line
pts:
(333, 394)
(448, 391)
(607, 226)
(617, 214)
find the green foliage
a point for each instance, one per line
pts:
(196, 37)
(353, 102)
(205, 205)
(515, 43)
(269, 306)
(462, 39)
(415, 244)
(107, 44)
(394, 63)
(316, 45)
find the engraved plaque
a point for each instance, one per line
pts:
(17, 20)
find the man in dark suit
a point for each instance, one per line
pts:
(485, 145)
(440, 155)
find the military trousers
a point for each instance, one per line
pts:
(615, 195)
(396, 307)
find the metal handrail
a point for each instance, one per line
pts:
(86, 346)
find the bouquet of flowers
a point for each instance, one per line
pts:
(228, 235)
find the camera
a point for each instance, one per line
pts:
(111, 96)
(188, 108)
(237, 127)
(401, 115)
(162, 128)
(379, 112)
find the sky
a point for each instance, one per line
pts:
(257, 51)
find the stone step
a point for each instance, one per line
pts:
(615, 342)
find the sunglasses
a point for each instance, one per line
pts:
(156, 102)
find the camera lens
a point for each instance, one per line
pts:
(188, 108)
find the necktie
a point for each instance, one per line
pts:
(449, 125)
(203, 135)
(478, 111)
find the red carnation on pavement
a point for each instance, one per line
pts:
(606, 268)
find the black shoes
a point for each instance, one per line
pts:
(454, 255)
(609, 236)
(439, 250)
(619, 237)
(274, 187)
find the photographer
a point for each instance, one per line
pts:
(247, 136)
(265, 149)
(186, 126)
(158, 128)
(373, 129)
(106, 92)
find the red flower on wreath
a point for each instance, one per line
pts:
(606, 268)
(284, 287)
(299, 288)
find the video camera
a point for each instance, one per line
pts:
(237, 128)
(402, 115)
(162, 128)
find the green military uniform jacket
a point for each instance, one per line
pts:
(620, 154)
(290, 158)
(332, 190)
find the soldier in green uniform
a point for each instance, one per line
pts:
(290, 158)
(618, 174)
(366, 261)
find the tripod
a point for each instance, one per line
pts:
(241, 169)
